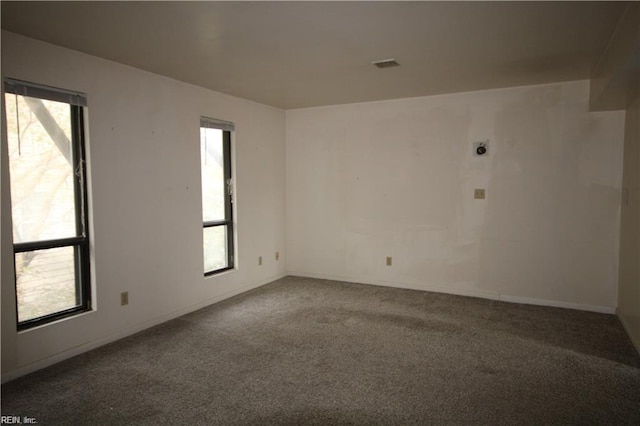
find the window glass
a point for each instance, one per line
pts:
(45, 282)
(41, 169)
(213, 181)
(215, 248)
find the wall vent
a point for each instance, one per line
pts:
(386, 63)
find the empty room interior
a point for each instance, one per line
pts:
(320, 212)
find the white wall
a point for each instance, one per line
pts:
(396, 178)
(145, 199)
(629, 290)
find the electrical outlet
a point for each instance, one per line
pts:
(259, 260)
(124, 298)
(389, 260)
(478, 194)
(277, 255)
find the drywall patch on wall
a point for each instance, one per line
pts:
(397, 178)
(556, 203)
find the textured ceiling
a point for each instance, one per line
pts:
(299, 54)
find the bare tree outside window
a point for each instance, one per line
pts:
(45, 173)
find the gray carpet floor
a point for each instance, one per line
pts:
(307, 351)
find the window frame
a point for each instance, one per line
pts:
(81, 242)
(226, 128)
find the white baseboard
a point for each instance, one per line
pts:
(61, 356)
(559, 304)
(634, 339)
(396, 284)
(464, 292)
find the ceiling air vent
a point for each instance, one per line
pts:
(385, 63)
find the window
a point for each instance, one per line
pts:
(217, 194)
(45, 141)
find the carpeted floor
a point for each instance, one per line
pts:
(307, 351)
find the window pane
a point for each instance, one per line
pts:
(41, 168)
(45, 282)
(212, 166)
(215, 248)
